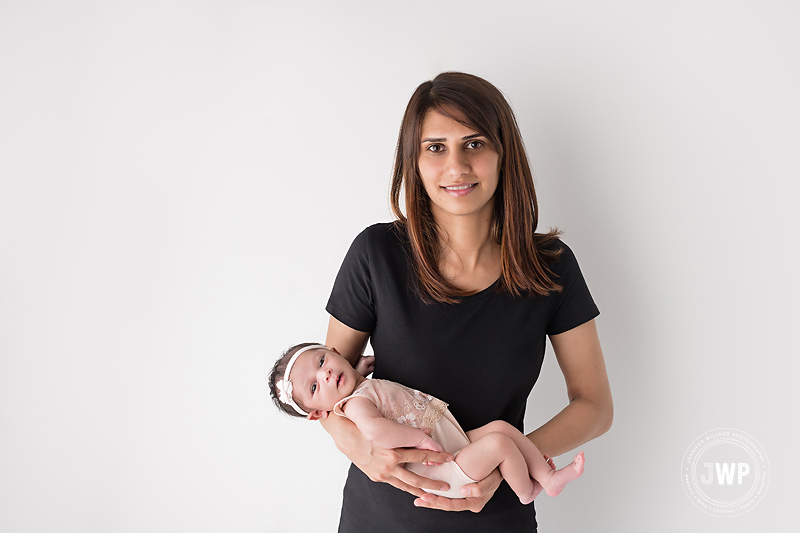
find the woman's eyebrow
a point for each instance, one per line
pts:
(442, 139)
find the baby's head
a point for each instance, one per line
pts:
(309, 379)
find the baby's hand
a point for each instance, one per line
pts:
(365, 365)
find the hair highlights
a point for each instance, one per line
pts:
(478, 104)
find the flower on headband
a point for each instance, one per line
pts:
(285, 391)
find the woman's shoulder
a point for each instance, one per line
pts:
(385, 231)
(380, 237)
(563, 250)
(559, 258)
(563, 256)
(549, 249)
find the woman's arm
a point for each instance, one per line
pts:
(590, 410)
(349, 342)
(379, 464)
(588, 415)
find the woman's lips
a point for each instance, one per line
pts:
(460, 190)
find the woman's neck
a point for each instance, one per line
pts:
(470, 257)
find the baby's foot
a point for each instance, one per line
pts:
(561, 477)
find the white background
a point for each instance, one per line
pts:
(180, 181)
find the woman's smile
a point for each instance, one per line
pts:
(460, 190)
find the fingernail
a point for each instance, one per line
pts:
(466, 492)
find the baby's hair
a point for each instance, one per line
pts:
(277, 374)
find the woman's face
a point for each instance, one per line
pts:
(459, 168)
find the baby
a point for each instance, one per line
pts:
(310, 381)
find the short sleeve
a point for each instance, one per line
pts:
(574, 305)
(352, 300)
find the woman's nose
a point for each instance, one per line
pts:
(457, 164)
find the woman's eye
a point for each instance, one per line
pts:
(435, 148)
(474, 145)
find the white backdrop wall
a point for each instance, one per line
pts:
(180, 181)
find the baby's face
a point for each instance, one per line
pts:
(320, 378)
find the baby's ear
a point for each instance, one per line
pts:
(334, 350)
(317, 414)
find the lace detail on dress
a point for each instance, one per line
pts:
(435, 411)
(418, 409)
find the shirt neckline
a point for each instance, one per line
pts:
(481, 294)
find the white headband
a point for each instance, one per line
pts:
(285, 385)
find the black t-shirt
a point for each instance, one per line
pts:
(482, 356)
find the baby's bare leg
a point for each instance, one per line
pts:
(553, 481)
(495, 450)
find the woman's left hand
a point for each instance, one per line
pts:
(480, 493)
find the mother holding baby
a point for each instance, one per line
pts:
(457, 296)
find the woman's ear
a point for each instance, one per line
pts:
(317, 414)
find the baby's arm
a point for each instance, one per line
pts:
(384, 432)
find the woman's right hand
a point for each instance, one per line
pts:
(381, 464)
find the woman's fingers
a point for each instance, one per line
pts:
(431, 501)
(388, 468)
(381, 464)
(422, 456)
(480, 493)
(410, 479)
(416, 491)
(488, 484)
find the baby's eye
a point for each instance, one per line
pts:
(321, 360)
(313, 387)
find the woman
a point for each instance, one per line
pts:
(457, 297)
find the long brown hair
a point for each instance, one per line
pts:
(478, 104)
